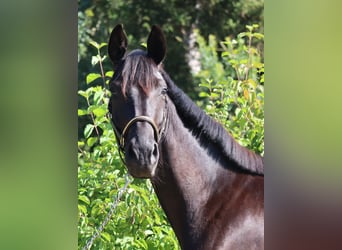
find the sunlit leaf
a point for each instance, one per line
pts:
(82, 208)
(179, 39)
(83, 93)
(203, 94)
(91, 141)
(89, 12)
(100, 111)
(81, 112)
(102, 45)
(88, 130)
(225, 53)
(95, 44)
(98, 96)
(258, 35)
(84, 198)
(245, 93)
(92, 77)
(94, 60)
(106, 236)
(109, 73)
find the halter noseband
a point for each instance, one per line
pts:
(141, 118)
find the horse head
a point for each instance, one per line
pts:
(138, 100)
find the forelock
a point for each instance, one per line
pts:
(141, 71)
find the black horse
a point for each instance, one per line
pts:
(210, 187)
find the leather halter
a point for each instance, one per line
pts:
(141, 118)
(120, 137)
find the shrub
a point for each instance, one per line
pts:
(233, 86)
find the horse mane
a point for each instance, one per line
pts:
(208, 131)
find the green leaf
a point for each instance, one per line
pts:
(89, 91)
(255, 26)
(91, 141)
(179, 39)
(95, 44)
(99, 111)
(94, 60)
(233, 62)
(252, 84)
(148, 232)
(106, 236)
(109, 73)
(98, 96)
(249, 27)
(206, 85)
(83, 93)
(225, 53)
(214, 95)
(81, 112)
(97, 153)
(89, 12)
(88, 130)
(92, 77)
(102, 45)
(82, 209)
(203, 94)
(84, 198)
(243, 34)
(258, 35)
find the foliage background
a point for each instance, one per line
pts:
(227, 83)
(38, 173)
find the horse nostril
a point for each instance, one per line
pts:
(131, 152)
(145, 153)
(155, 150)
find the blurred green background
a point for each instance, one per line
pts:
(38, 100)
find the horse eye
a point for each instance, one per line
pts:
(114, 90)
(164, 91)
(113, 93)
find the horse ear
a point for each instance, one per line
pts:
(156, 44)
(117, 44)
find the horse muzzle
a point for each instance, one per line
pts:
(139, 151)
(141, 157)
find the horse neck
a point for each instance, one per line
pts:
(185, 180)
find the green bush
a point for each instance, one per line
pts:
(232, 93)
(233, 85)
